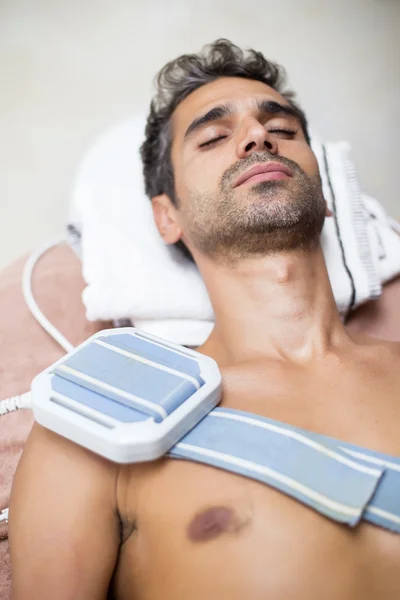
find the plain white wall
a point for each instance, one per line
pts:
(70, 68)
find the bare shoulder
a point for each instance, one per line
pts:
(55, 471)
(41, 434)
(378, 356)
(368, 341)
(63, 497)
(379, 318)
(52, 450)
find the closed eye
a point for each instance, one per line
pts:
(285, 132)
(220, 137)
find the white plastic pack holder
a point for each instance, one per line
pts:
(126, 395)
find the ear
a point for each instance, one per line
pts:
(165, 217)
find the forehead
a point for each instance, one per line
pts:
(235, 90)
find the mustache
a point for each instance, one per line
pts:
(242, 165)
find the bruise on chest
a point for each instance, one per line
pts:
(214, 521)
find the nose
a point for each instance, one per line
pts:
(255, 138)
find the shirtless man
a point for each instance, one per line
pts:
(81, 526)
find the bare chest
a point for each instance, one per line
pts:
(209, 533)
(359, 406)
(206, 533)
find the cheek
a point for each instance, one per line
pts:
(203, 174)
(304, 157)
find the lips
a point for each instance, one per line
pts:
(273, 168)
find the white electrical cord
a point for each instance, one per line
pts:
(15, 402)
(23, 400)
(31, 302)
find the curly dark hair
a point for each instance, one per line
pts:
(182, 76)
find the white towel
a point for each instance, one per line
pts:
(131, 274)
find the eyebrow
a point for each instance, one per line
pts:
(268, 107)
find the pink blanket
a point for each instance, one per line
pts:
(26, 349)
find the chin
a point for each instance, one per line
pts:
(275, 195)
(270, 187)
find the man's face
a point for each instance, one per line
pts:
(220, 132)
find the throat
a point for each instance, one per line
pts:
(276, 307)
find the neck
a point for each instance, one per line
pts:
(278, 307)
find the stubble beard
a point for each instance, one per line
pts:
(270, 217)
